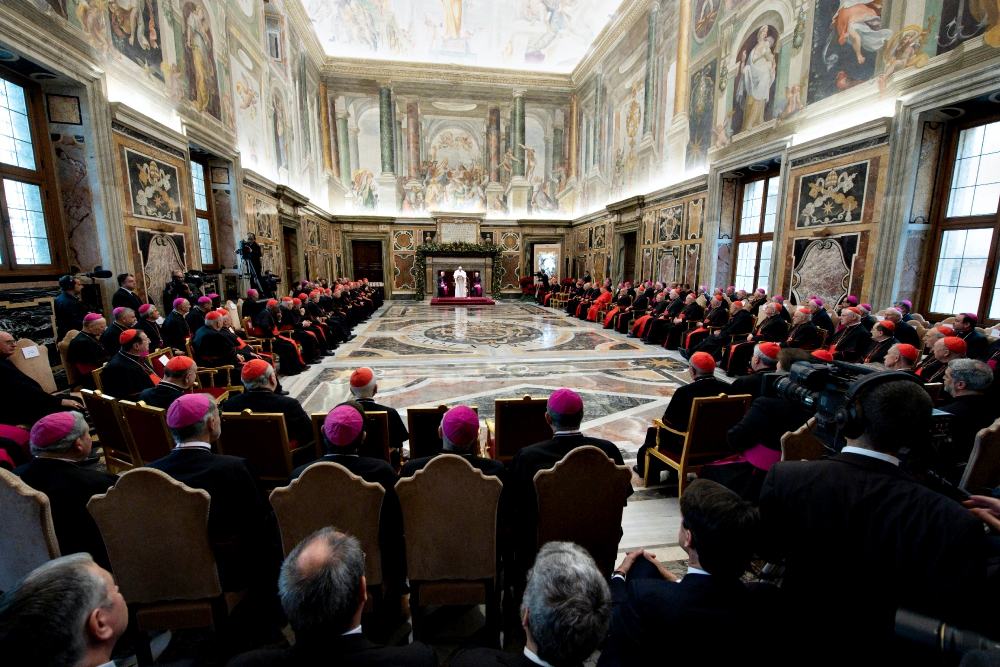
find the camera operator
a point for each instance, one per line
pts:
(175, 289)
(250, 252)
(859, 538)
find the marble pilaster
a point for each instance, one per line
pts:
(413, 139)
(650, 96)
(344, 153)
(386, 140)
(493, 142)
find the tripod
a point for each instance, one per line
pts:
(249, 273)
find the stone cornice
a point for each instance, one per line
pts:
(628, 13)
(336, 68)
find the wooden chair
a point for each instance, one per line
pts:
(581, 500)
(328, 494)
(705, 439)
(376, 444)
(519, 422)
(209, 375)
(983, 469)
(27, 536)
(801, 444)
(113, 433)
(154, 440)
(156, 359)
(171, 582)
(72, 374)
(933, 390)
(96, 374)
(423, 427)
(262, 439)
(37, 368)
(450, 524)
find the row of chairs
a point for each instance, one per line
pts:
(449, 518)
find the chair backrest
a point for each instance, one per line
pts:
(156, 359)
(96, 374)
(376, 444)
(983, 469)
(156, 532)
(711, 419)
(921, 330)
(423, 427)
(37, 367)
(823, 333)
(450, 521)
(328, 494)
(148, 426)
(27, 537)
(72, 374)
(933, 390)
(112, 431)
(235, 312)
(520, 422)
(801, 444)
(261, 438)
(581, 500)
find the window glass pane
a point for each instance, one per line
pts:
(771, 209)
(994, 313)
(975, 185)
(765, 264)
(746, 258)
(27, 222)
(961, 270)
(753, 198)
(205, 241)
(198, 178)
(15, 131)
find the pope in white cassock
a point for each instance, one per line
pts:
(461, 290)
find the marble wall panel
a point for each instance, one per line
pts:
(77, 202)
(402, 270)
(225, 226)
(911, 279)
(931, 140)
(823, 268)
(692, 264)
(511, 274)
(723, 256)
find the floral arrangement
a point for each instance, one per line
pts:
(528, 285)
(420, 264)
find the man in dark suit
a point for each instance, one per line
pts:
(966, 381)
(179, 375)
(965, 328)
(701, 371)
(124, 319)
(125, 296)
(323, 593)
(565, 613)
(69, 308)
(459, 431)
(518, 503)
(241, 523)
(342, 434)
(147, 322)
(363, 388)
(259, 395)
(653, 609)
(820, 317)
(896, 543)
(175, 328)
(22, 400)
(852, 341)
(128, 373)
(85, 351)
(60, 443)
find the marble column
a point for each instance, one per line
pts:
(574, 120)
(679, 132)
(520, 188)
(413, 139)
(385, 129)
(327, 122)
(493, 141)
(598, 184)
(557, 146)
(571, 137)
(650, 96)
(518, 123)
(402, 156)
(598, 91)
(352, 142)
(343, 152)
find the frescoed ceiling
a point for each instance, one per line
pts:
(538, 35)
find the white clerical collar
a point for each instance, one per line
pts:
(355, 631)
(530, 655)
(888, 458)
(193, 445)
(576, 432)
(697, 570)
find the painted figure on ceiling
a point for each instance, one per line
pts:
(452, 18)
(757, 75)
(199, 59)
(860, 22)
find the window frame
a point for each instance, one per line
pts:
(760, 237)
(209, 214)
(941, 223)
(44, 178)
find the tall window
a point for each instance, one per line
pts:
(203, 211)
(26, 211)
(272, 26)
(964, 272)
(755, 235)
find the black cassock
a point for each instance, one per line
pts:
(267, 326)
(772, 329)
(212, 349)
(175, 330)
(125, 376)
(109, 339)
(22, 399)
(195, 319)
(87, 353)
(152, 331)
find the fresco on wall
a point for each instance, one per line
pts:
(246, 72)
(961, 20)
(135, 31)
(246, 13)
(200, 74)
(700, 109)
(365, 190)
(302, 87)
(705, 14)
(844, 50)
(263, 216)
(549, 35)
(756, 74)
(154, 188)
(835, 196)
(279, 129)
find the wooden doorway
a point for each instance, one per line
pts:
(628, 271)
(367, 256)
(291, 239)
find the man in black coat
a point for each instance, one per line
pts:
(68, 307)
(820, 317)
(266, 327)
(196, 317)
(852, 340)
(661, 330)
(764, 360)
(179, 375)
(967, 381)
(175, 328)
(343, 432)
(518, 503)
(124, 319)
(965, 328)
(701, 371)
(717, 315)
(363, 388)
(86, 352)
(22, 399)
(125, 296)
(882, 342)
(147, 316)
(323, 593)
(251, 306)
(771, 328)
(459, 431)
(653, 609)
(212, 349)
(128, 372)
(60, 443)
(896, 543)
(259, 395)
(803, 333)
(740, 323)
(903, 332)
